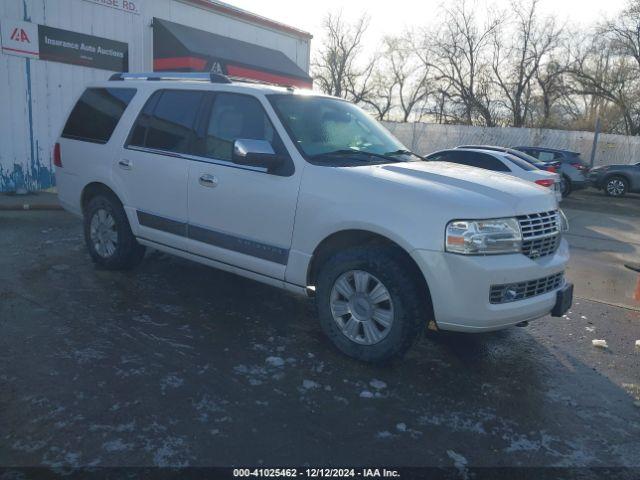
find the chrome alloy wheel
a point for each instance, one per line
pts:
(104, 235)
(361, 307)
(615, 187)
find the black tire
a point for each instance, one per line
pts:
(620, 182)
(411, 309)
(128, 252)
(567, 188)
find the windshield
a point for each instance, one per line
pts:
(321, 125)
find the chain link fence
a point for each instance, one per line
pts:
(424, 138)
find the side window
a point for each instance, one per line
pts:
(140, 127)
(520, 163)
(167, 121)
(235, 116)
(479, 160)
(546, 156)
(97, 113)
(171, 127)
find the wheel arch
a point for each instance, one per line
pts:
(91, 190)
(344, 239)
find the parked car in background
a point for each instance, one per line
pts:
(616, 180)
(310, 194)
(551, 166)
(573, 169)
(503, 162)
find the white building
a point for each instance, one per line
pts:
(52, 48)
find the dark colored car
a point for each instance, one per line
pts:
(551, 166)
(616, 180)
(573, 169)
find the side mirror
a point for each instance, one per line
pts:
(255, 153)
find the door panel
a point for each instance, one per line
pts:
(245, 220)
(156, 198)
(240, 215)
(152, 169)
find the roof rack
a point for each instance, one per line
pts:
(195, 76)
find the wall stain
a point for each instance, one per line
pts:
(37, 176)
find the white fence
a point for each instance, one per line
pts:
(424, 138)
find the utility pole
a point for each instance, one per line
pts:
(595, 141)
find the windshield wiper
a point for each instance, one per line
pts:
(404, 151)
(345, 152)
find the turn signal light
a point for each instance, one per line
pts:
(547, 182)
(57, 158)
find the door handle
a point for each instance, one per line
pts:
(207, 180)
(125, 164)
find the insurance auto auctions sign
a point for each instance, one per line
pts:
(79, 49)
(129, 6)
(56, 45)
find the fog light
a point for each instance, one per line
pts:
(510, 294)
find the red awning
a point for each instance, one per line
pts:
(177, 47)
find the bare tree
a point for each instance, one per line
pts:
(457, 55)
(608, 70)
(338, 69)
(381, 97)
(517, 61)
(410, 76)
(553, 91)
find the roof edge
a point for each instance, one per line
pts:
(247, 16)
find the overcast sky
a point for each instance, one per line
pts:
(392, 16)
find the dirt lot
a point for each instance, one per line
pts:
(178, 364)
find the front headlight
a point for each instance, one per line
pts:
(484, 237)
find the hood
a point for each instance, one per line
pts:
(474, 188)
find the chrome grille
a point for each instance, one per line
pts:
(519, 291)
(541, 247)
(540, 233)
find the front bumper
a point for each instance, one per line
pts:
(580, 184)
(595, 180)
(460, 287)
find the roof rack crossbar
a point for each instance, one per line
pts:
(190, 76)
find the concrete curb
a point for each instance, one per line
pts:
(29, 206)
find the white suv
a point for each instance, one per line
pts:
(308, 193)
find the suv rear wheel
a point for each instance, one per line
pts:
(616, 186)
(108, 235)
(368, 304)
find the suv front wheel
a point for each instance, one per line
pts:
(108, 235)
(369, 305)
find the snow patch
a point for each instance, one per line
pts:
(274, 361)
(460, 463)
(378, 384)
(310, 384)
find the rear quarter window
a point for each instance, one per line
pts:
(523, 164)
(97, 113)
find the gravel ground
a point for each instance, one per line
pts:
(177, 364)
